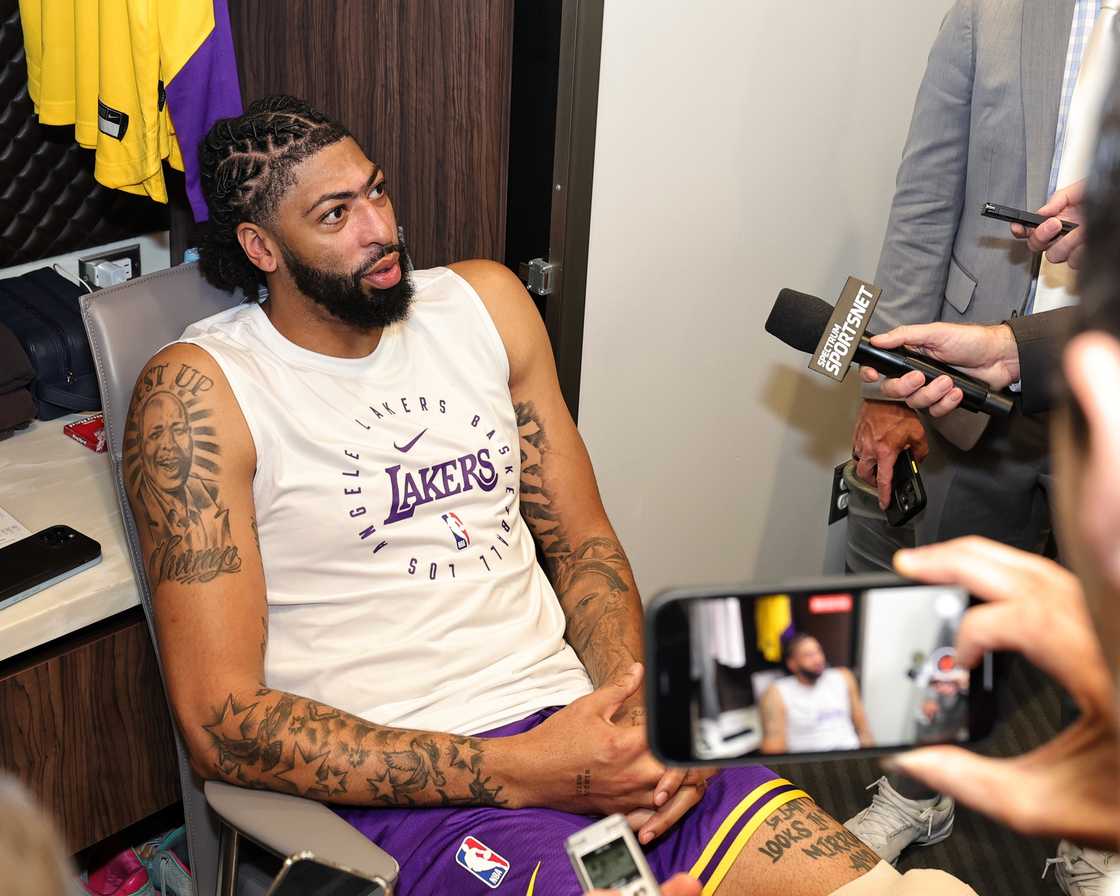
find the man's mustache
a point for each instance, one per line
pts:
(377, 256)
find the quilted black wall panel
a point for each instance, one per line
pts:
(49, 201)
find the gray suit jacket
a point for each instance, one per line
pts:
(983, 130)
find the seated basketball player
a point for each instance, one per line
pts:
(816, 708)
(382, 446)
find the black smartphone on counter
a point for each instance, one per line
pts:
(814, 670)
(38, 561)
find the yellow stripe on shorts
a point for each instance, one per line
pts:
(732, 819)
(745, 834)
(533, 880)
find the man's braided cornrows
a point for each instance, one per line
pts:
(246, 166)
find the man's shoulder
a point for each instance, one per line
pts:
(509, 305)
(191, 374)
(485, 275)
(165, 367)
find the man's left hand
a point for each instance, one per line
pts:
(678, 790)
(1047, 236)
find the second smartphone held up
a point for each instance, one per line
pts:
(810, 670)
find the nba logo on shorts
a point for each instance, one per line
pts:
(462, 539)
(482, 862)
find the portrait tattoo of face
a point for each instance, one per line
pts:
(170, 453)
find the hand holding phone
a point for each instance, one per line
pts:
(1031, 605)
(816, 670)
(1020, 216)
(908, 493)
(606, 855)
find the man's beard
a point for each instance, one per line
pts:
(810, 675)
(347, 298)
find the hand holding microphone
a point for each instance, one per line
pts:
(986, 352)
(800, 320)
(836, 338)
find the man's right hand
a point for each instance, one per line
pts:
(579, 761)
(883, 430)
(986, 351)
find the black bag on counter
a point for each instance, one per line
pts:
(17, 406)
(41, 308)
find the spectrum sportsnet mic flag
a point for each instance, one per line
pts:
(841, 336)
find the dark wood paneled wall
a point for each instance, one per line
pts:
(424, 86)
(86, 729)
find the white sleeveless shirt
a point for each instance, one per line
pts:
(402, 581)
(818, 716)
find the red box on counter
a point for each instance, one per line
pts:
(90, 431)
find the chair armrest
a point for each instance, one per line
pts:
(290, 824)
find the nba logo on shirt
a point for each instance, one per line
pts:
(482, 862)
(462, 539)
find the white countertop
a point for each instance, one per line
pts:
(47, 478)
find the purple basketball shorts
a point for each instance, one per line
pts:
(521, 851)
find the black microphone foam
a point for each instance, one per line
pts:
(798, 320)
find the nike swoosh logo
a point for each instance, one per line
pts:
(405, 448)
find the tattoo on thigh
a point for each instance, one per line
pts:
(172, 457)
(799, 827)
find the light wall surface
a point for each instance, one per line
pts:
(741, 147)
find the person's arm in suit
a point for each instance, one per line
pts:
(1026, 350)
(921, 230)
(1040, 339)
(930, 186)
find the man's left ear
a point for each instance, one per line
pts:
(1092, 368)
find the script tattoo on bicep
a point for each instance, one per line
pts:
(282, 742)
(172, 457)
(801, 828)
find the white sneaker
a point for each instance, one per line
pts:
(892, 822)
(1081, 871)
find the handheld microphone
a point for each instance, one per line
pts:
(799, 320)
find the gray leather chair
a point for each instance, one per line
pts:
(127, 324)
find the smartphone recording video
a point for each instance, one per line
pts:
(854, 664)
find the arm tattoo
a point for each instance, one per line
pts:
(592, 580)
(171, 458)
(801, 828)
(536, 500)
(277, 741)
